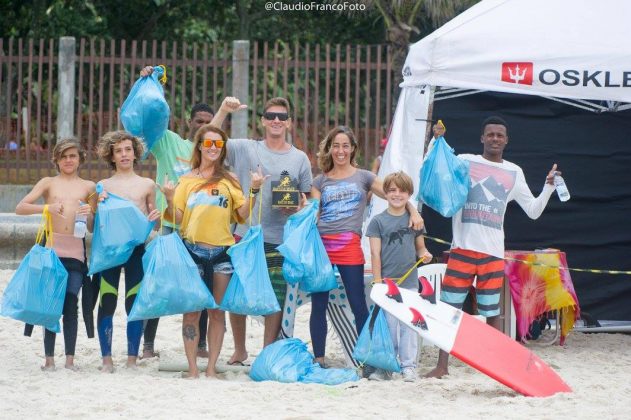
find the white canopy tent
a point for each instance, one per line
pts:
(573, 51)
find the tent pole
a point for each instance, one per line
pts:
(430, 112)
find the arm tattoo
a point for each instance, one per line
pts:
(188, 331)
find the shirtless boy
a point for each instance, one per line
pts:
(65, 195)
(121, 150)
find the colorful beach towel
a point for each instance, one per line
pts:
(540, 282)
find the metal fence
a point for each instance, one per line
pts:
(327, 85)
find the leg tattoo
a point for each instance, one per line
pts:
(188, 331)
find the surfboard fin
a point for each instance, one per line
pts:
(427, 291)
(393, 291)
(418, 320)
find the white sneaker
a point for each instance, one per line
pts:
(409, 374)
(380, 375)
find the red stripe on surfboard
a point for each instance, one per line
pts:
(505, 360)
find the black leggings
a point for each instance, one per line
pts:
(75, 280)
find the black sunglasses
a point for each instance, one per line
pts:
(271, 116)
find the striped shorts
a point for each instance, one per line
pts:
(463, 266)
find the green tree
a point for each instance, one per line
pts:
(402, 18)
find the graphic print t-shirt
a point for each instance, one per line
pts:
(398, 246)
(479, 225)
(343, 202)
(208, 211)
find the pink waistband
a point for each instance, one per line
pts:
(68, 246)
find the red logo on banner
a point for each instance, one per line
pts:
(518, 73)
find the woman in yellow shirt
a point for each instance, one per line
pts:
(206, 201)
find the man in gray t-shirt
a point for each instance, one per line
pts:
(246, 155)
(286, 168)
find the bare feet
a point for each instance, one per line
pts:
(70, 364)
(438, 372)
(49, 365)
(106, 368)
(320, 361)
(131, 362)
(188, 375)
(212, 374)
(238, 358)
(202, 352)
(148, 354)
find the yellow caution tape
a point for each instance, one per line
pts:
(580, 270)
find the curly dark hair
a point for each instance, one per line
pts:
(112, 138)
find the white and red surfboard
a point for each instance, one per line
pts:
(471, 340)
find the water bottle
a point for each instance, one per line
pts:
(561, 188)
(80, 224)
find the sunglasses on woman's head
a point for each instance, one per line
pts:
(271, 116)
(218, 143)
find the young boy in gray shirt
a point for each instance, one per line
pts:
(394, 249)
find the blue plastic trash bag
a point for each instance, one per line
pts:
(37, 290)
(119, 227)
(293, 270)
(306, 260)
(319, 274)
(145, 112)
(374, 345)
(330, 376)
(171, 284)
(289, 361)
(444, 180)
(250, 289)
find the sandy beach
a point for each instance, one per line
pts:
(596, 366)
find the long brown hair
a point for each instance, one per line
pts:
(325, 161)
(220, 172)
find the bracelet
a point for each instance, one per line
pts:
(254, 190)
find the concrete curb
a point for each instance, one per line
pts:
(17, 237)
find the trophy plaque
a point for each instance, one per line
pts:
(284, 192)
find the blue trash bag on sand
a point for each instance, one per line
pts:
(145, 112)
(171, 284)
(444, 180)
(374, 345)
(306, 261)
(37, 290)
(250, 289)
(288, 361)
(119, 227)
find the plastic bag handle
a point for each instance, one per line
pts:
(45, 229)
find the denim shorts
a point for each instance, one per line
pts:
(217, 256)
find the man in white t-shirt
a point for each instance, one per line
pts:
(477, 248)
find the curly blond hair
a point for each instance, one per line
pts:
(112, 138)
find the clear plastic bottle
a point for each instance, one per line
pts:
(80, 224)
(561, 188)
